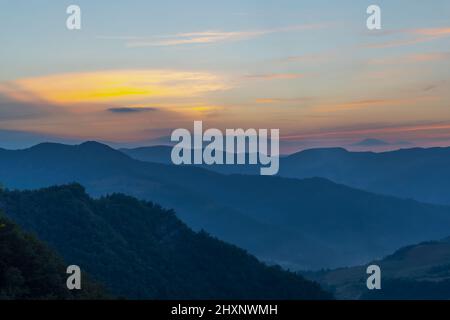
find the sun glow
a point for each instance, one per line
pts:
(119, 86)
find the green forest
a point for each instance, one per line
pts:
(136, 249)
(30, 270)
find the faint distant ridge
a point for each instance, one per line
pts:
(157, 154)
(422, 174)
(372, 142)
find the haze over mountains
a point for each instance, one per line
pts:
(301, 224)
(416, 173)
(380, 144)
(135, 248)
(419, 271)
(421, 174)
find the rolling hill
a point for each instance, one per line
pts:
(420, 174)
(416, 173)
(420, 271)
(138, 250)
(300, 224)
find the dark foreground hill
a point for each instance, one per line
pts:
(30, 270)
(300, 224)
(139, 250)
(419, 271)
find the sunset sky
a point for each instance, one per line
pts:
(139, 69)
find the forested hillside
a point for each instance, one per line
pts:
(30, 270)
(139, 250)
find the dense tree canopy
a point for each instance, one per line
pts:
(29, 270)
(139, 250)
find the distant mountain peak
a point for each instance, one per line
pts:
(45, 145)
(370, 142)
(95, 151)
(94, 144)
(320, 151)
(86, 146)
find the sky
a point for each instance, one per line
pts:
(139, 69)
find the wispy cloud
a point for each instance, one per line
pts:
(414, 36)
(434, 56)
(362, 104)
(13, 109)
(126, 110)
(311, 58)
(115, 86)
(412, 58)
(274, 76)
(354, 105)
(396, 43)
(435, 85)
(282, 100)
(195, 38)
(204, 37)
(432, 128)
(433, 32)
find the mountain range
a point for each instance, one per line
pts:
(422, 174)
(297, 223)
(135, 248)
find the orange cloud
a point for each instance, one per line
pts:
(432, 128)
(433, 32)
(395, 43)
(197, 110)
(421, 35)
(436, 56)
(115, 86)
